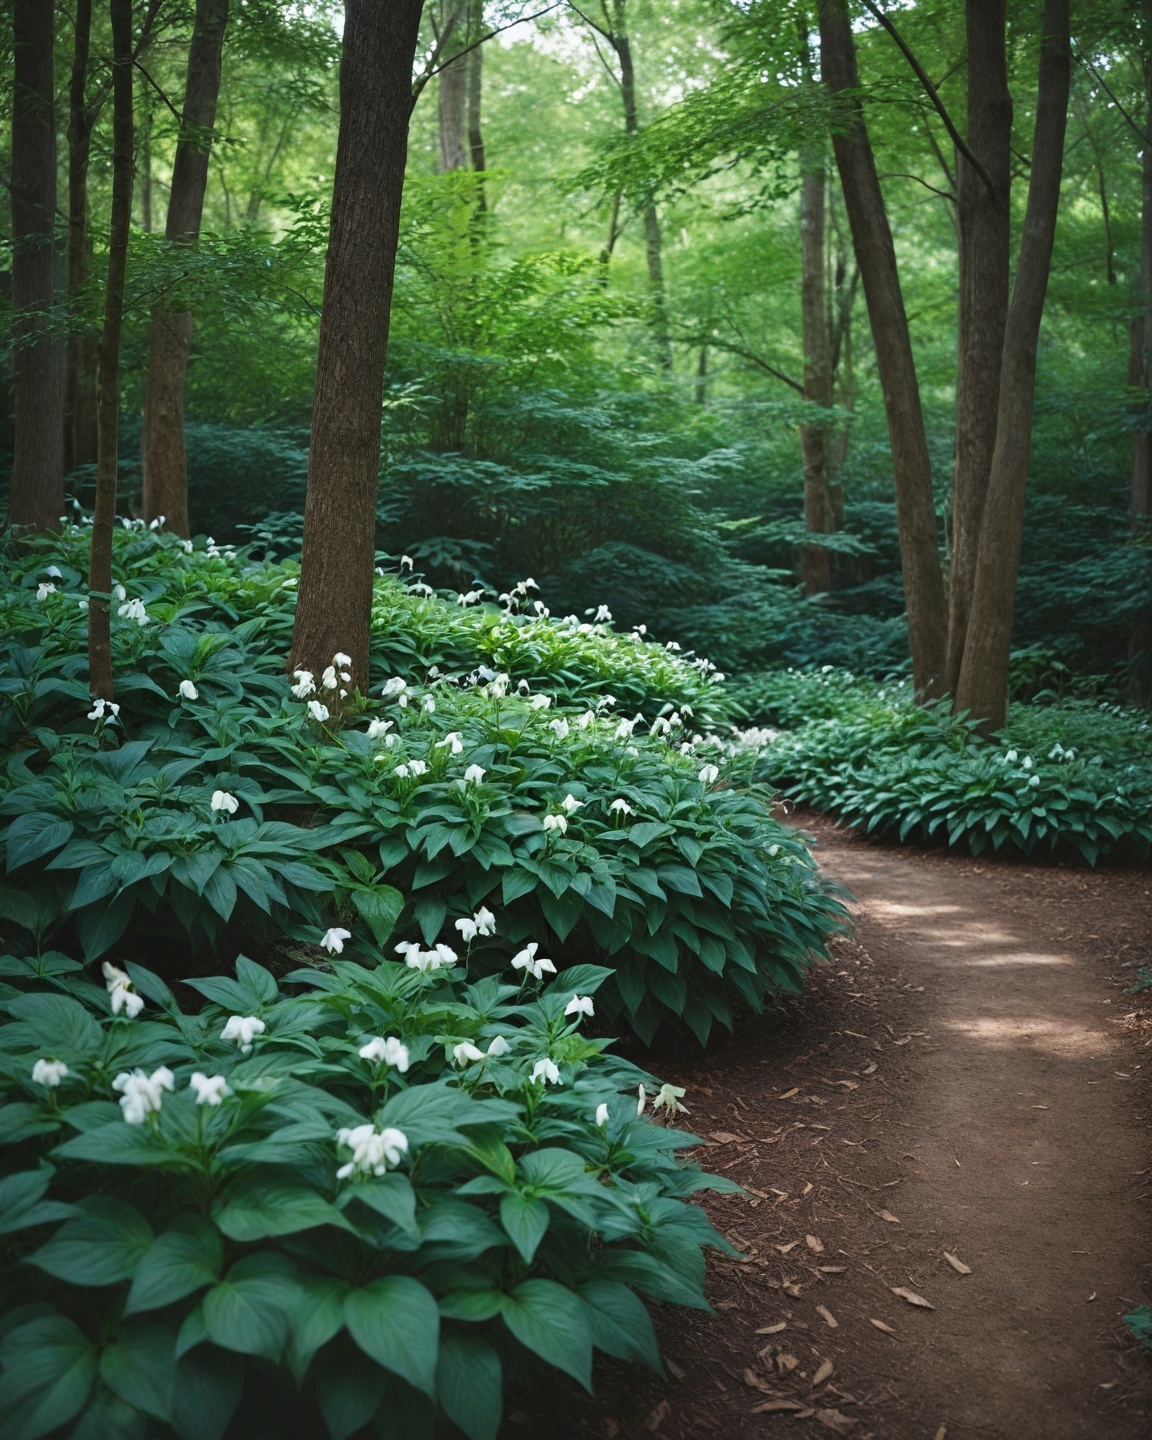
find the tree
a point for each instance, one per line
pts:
(162, 446)
(37, 492)
(336, 573)
(108, 404)
(876, 258)
(82, 345)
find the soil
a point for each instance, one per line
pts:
(967, 1079)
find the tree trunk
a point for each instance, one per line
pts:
(818, 517)
(82, 344)
(876, 257)
(37, 492)
(162, 447)
(653, 242)
(335, 598)
(108, 408)
(983, 683)
(452, 91)
(475, 102)
(1140, 377)
(984, 241)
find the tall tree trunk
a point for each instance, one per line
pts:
(452, 90)
(984, 240)
(818, 516)
(653, 241)
(983, 683)
(108, 408)
(876, 257)
(336, 572)
(475, 102)
(82, 343)
(1140, 377)
(162, 446)
(37, 493)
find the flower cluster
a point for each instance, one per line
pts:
(386, 1050)
(439, 957)
(141, 1094)
(242, 1030)
(372, 1150)
(120, 989)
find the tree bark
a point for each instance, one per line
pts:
(653, 241)
(108, 407)
(818, 516)
(983, 229)
(162, 445)
(475, 102)
(452, 90)
(982, 687)
(876, 257)
(335, 597)
(1140, 378)
(82, 343)
(37, 490)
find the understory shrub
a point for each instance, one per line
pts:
(367, 1193)
(223, 807)
(1076, 773)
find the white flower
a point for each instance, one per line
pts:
(418, 587)
(1011, 757)
(452, 741)
(445, 955)
(1035, 780)
(668, 1098)
(580, 1005)
(53, 571)
(242, 1030)
(318, 711)
(624, 729)
(546, 1070)
(472, 597)
(378, 728)
(474, 774)
(622, 806)
(305, 685)
(425, 960)
(341, 659)
(602, 1115)
(406, 562)
(333, 940)
(222, 800)
(588, 718)
(372, 1150)
(540, 702)
(386, 1051)
(429, 703)
(526, 960)
(498, 1047)
(466, 1053)
(642, 1099)
(142, 1094)
(210, 1089)
(602, 615)
(188, 691)
(555, 822)
(560, 727)
(133, 610)
(418, 767)
(709, 774)
(570, 804)
(120, 991)
(43, 590)
(49, 1073)
(395, 686)
(1027, 762)
(402, 771)
(482, 923)
(328, 680)
(103, 710)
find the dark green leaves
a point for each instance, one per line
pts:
(551, 1322)
(397, 1323)
(100, 1246)
(47, 1371)
(176, 1264)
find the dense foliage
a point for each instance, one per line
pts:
(1067, 774)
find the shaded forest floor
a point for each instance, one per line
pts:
(966, 1079)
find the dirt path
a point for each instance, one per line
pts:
(967, 1078)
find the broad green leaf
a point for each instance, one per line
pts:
(140, 1366)
(469, 1385)
(29, 837)
(251, 1310)
(176, 1264)
(319, 1315)
(48, 1369)
(206, 1393)
(396, 1321)
(22, 1205)
(255, 1210)
(548, 1319)
(349, 1387)
(103, 1244)
(525, 1220)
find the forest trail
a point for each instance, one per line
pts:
(1020, 1147)
(968, 1077)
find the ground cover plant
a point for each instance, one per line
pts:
(1072, 774)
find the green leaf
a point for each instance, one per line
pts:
(21, 1205)
(207, 1391)
(621, 1324)
(396, 1321)
(176, 1264)
(525, 1220)
(380, 906)
(29, 837)
(60, 1024)
(349, 1387)
(319, 1315)
(102, 1245)
(116, 1144)
(548, 1319)
(256, 1209)
(140, 1367)
(100, 927)
(256, 979)
(469, 1385)
(48, 1369)
(389, 1195)
(251, 1310)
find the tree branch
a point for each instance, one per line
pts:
(904, 175)
(432, 69)
(171, 107)
(749, 355)
(1095, 74)
(931, 91)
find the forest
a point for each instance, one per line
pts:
(576, 708)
